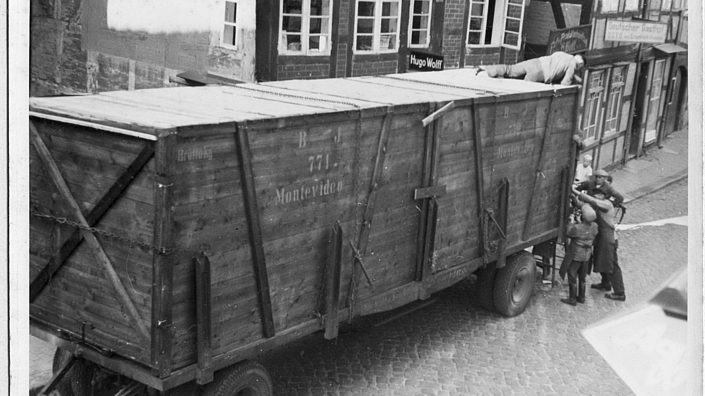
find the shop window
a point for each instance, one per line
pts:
(495, 23)
(631, 5)
(305, 27)
(594, 104)
(228, 36)
(377, 26)
(420, 23)
(657, 80)
(614, 99)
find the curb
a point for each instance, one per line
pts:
(659, 184)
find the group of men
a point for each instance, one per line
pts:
(594, 237)
(594, 242)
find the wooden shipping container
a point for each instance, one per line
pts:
(178, 231)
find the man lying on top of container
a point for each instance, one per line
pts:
(557, 67)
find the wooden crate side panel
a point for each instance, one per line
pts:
(209, 216)
(457, 230)
(90, 162)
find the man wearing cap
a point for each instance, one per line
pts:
(605, 247)
(600, 185)
(559, 67)
(584, 169)
(577, 258)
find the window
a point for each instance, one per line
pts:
(228, 37)
(495, 23)
(420, 23)
(377, 26)
(305, 27)
(512, 26)
(614, 101)
(657, 80)
(593, 105)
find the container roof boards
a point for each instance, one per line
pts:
(150, 113)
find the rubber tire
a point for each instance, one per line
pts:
(83, 373)
(247, 378)
(60, 357)
(484, 286)
(514, 284)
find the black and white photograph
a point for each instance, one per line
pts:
(353, 198)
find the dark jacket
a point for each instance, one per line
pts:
(606, 188)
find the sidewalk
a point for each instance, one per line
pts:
(657, 169)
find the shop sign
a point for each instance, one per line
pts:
(636, 31)
(571, 40)
(425, 61)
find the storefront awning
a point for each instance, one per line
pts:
(669, 48)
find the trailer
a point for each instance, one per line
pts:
(177, 233)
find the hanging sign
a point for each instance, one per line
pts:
(636, 31)
(571, 40)
(425, 61)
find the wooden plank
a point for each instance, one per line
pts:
(538, 177)
(334, 263)
(204, 370)
(100, 256)
(162, 268)
(93, 125)
(479, 176)
(255, 230)
(373, 190)
(425, 182)
(92, 218)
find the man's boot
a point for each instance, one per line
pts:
(581, 293)
(572, 289)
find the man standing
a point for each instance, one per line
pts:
(606, 244)
(559, 67)
(601, 186)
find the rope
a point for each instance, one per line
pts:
(441, 85)
(147, 246)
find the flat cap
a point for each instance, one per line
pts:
(601, 172)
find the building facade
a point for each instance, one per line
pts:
(101, 45)
(634, 89)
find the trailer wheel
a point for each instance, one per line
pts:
(484, 287)
(60, 357)
(247, 378)
(83, 378)
(514, 284)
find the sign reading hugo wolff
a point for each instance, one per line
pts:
(636, 31)
(425, 61)
(569, 40)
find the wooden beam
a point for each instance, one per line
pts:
(255, 230)
(96, 248)
(162, 267)
(204, 368)
(105, 202)
(333, 271)
(438, 114)
(425, 183)
(374, 183)
(479, 175)
(539, 176)
(503, 216)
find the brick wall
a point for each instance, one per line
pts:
(303, 67)
(372, 65)
(453, 28)
(483, 56)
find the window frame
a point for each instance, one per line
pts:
(594, 95)
(411, 24)
(499, 31)
(233, 24)
(377, 28)
(305, 33)
(611, 106)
